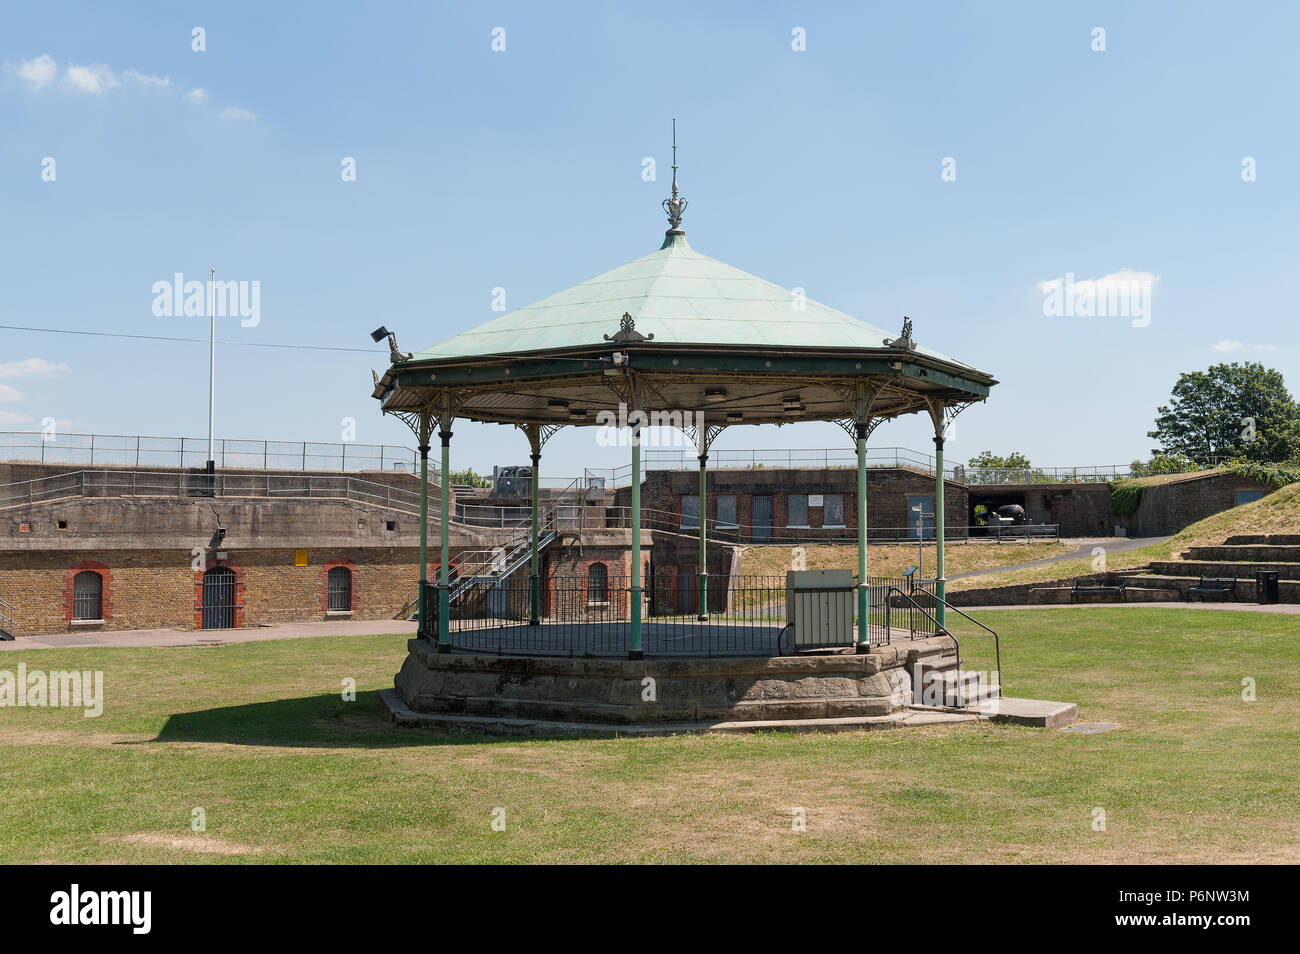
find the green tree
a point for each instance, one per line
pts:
(1163, 464)
(1230, 410)
(468, 478)
(992, 468)
(989, 460)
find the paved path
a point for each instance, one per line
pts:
(1113, 545)
(213, 637)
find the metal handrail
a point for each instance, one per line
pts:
(671, 521)
(129, 448)
(940, 629)
(513, 551)
(133, 483)
(7, 616)
(686, 458)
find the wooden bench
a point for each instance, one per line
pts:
(1082, 588)
(1214, 586)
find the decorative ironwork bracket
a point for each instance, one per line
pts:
(627, 332)
(905, 339)
(942, 414)
(538, 435)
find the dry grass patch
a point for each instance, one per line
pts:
(893, 559)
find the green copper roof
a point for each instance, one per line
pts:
(679, 296)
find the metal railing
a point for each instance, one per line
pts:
(746, 615)
(687, 458)
(944, 631)
(132, 483)
(620, 517)
(564, 511)
(7, 623)
(139, 451)
(579, 616)
(888, 617)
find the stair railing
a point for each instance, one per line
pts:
(941, 630)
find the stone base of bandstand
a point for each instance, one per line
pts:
(536, 695)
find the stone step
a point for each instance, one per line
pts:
(1223, 568)
(1288, 590)
(1283, 539)
(1245, 553)
(953, 688)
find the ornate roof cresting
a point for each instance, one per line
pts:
(627, 331)
(905, 339)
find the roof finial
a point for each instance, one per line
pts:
(676, 205)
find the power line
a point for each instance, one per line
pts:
(246, 344)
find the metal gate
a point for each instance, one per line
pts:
(219, 598)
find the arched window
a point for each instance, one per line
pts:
(597, 583)
(339, 585)
(87, 595)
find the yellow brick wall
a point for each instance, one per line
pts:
(156, 588)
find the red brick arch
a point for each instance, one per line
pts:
(325, 583)
(239, 590)
(106, 597)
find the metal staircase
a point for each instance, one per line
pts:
(487, 566)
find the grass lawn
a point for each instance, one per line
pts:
(258, 736)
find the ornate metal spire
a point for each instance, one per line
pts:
(675, 205)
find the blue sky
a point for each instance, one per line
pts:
(521, 169)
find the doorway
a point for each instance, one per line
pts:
(219, 598)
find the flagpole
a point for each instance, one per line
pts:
(212, 367)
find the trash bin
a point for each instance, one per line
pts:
(1266, 586)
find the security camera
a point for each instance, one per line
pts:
(620, 359)
(379, 334)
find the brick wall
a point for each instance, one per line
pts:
(145, 589)
(1168, 508)
(887, 492)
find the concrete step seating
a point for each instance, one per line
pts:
(1245, 553)
(1165, 581)
(1241, 570)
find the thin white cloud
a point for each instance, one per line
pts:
(38, 72)
(8, 393)
(13, 417)
(145, 79)
(1121, 281)
(96, 79)
(30, 366)
(1227, 345)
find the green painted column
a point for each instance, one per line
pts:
(634, 591)
(703, 605)
(864, 634)
(424, 535)
(941, 585)
(444, 532)
(534, 562)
